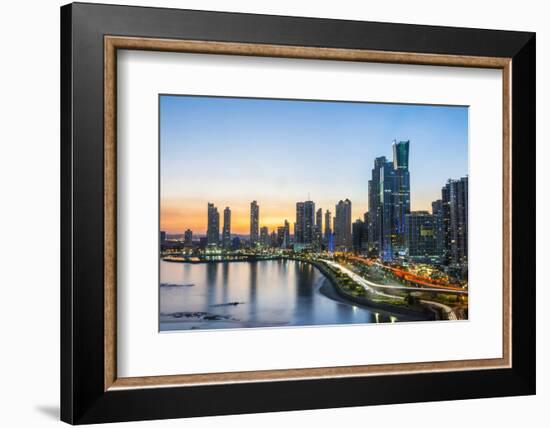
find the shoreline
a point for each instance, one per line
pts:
(329, 290)
(417, 315)
(247, 260)
(336, 293)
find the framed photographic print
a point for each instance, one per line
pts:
(265, 213)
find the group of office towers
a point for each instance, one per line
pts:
(395, 232)
(388, 230)
(308, 229)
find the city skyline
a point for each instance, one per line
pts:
(271, 156)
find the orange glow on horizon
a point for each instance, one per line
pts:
(176, 216)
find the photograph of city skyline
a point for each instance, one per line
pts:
(278, 213)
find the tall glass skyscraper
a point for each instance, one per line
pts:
(375, 208)
(455, 198)
(254, 223)
(386, 219)
(451, 226)
(420, 233)
(366, 232)
(328, 230)
(226, 233)
(286, 237)
(389, 203)
(439, 230)
(402, 194)
(299, 224)
(357, 235)
(264, 237)
(213, 229)
(305, 222)
(309, 221)
(342, 226)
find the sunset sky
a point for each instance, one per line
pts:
(230, 151)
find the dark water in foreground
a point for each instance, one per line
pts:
(269, 294)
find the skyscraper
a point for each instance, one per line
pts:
(254, 223)
(439, 230)
(328, 230)
(309, 221)
(226, 234)
(387, 222)
(402, 193)
(286, 237)
(280, 236)
(342, 226)
(318, 230)
(162, 237)
(213, 229)
(389, 202)
(420, 236)
(454, 196)
(305, 222)
(357, 235)
(366, 227)
(264, 237)
(375, 208)
(299, 224)
(319, 219)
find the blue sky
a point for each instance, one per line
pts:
(230, 151)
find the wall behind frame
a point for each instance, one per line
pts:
(29, 173)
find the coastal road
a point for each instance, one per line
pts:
(368, 284)
(371, 286)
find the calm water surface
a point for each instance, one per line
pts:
(268, 294)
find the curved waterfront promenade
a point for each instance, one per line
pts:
(417, 313)
(446, 311)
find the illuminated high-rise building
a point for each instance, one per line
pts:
(357, 234)
(254, 223)
(213, 229)
(389, 203)
(342, 226)
(299, 224)
(309, 221)
(439, 230)
(319, 219)
(366, 227)
(421, 236)
(280, 236)
(454, 197)
(402, 194)
(375, 207)
(387, 222)
(226, 233)
(264, 237)
(305, 222)
(318, 230)
(286, 236)
(328, 230)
